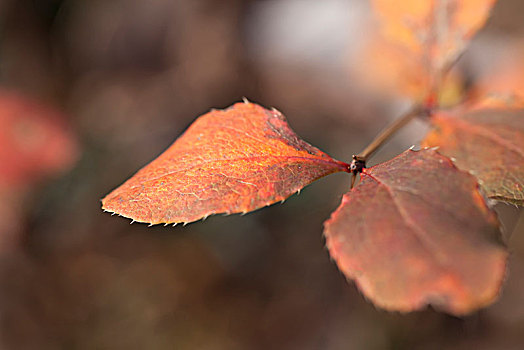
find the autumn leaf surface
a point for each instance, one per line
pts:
(228, 161)
(489, 143)
(416, 231)
(437, 29)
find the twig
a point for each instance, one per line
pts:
(389, 131)
(359, 161)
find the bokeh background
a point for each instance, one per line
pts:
(101, 87)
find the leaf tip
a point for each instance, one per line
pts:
(491, 203)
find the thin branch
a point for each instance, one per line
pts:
(415, 111)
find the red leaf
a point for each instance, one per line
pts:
(34, 141)
(416, 231)
(231, 161)
(489, 143)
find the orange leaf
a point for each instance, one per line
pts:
(231, 161)
(489, 143)
(438, 29)
(416, 231)
(395, 72)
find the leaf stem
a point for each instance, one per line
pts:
(389, 131)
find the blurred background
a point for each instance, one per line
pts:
(92, 90)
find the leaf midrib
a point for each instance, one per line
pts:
(420, 234)
(333, 164)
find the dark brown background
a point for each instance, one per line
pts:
(131, 75)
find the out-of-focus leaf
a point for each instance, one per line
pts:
(385, 67)
(416, 231)
(489, 143)
(437, 29)
(34, 141)
(231, 161)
